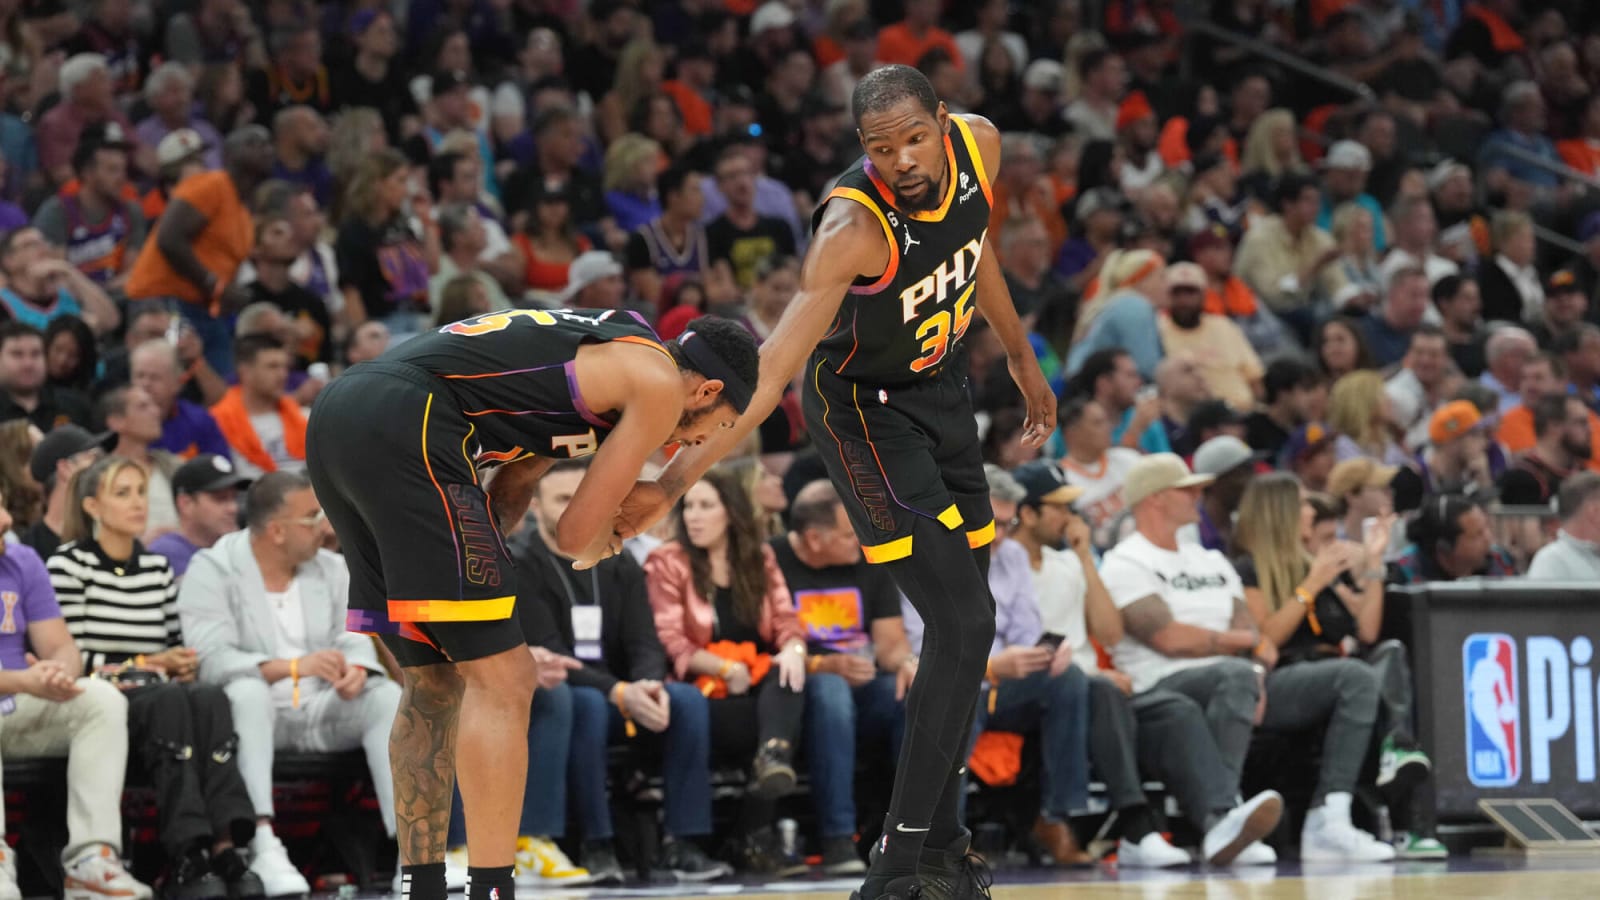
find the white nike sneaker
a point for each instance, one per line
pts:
(1152, 852)
(270, 861)
(8, 873)
(1256, 854)
(96, 873)
(1328, 836)
(1245, 824)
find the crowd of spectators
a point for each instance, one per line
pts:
(1358, 244)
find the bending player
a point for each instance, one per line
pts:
(395, 450)
(899, 262)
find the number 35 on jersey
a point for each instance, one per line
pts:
(940, 329)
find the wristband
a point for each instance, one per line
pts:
(294, 679)
(727, 667)
(812, 664)
(1310, 603)
(988, 673)
(616, 698)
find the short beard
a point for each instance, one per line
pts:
(1186, 319)
(928, 202)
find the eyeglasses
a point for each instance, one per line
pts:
(311, 521)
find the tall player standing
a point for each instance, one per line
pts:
(416, 455)
(900, 260)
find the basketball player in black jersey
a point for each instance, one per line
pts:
(422, 458)
(899, 264)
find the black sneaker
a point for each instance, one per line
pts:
(687, 862)
(954, 873)
(906, 887)
(192, 879)
(758, 853)
(243, 884)
(840, 857)
(600, 858)
(774, 769)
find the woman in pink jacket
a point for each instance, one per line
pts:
(718, 586)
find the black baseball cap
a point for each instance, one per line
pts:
(448, 80)
(205, 473)
(1045, 482)
(64, 442)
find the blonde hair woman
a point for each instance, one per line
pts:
(1358, 256)
(765, 488)
(632, 163)
(1358, 409)
(640, 71)
(1270, 152)
(1131, 290)
(1306, 609)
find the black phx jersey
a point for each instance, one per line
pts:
(394, 449)
(879, 390)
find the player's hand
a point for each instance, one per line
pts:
(552, 666)
(612, 547)
(1041, 401)
(350, 686)
(644, 506)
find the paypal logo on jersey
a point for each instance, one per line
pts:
(1493, 710)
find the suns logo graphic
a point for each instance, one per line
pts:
(832, 617)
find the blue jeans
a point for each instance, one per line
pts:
(837, 718)
(215, 333)
(684, 752)
(544, 801)
(1057, 709)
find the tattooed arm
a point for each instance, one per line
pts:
(1149, 621)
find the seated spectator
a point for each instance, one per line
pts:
(1286, 259)
(1231, 465)
(1359, 410)
(1112, 379)
(263, 425)
(905, 42)
(57, 458)
(86, 100)
(71, 356)
(1130, 293)
(1563, 446)
(1306, 607)
(187, 428)
(1460, 313)
(1345, 169)
(1184, 621)
(1565, 306)
(860, 663)
(131, 623)
(169, 94)
(717, 587)
(1290, 390)
(741, 236)
(1094, 465)
(304, 317)
(1228, 363)
(548, 241)
(383, 265)
(1512, 289)
(367, 341)
(457, 178)
(294, 73)
(603, 630)
(595, 282)
(671, 248)
(1363, 490)
(150, 321)
(1180, 390)
(1415, 232)
(1573, 555)
(1456, 458)
(133, 417)
(264, 609)
(462, 240)
(1450, 539)
(1423, 384)
(99, 229)
(1226, 293)
(51, 710)
(205, 491)
(41, 285)
(299, 143)
(1309, 455)
(203, 237)
(1097, 215)
(1340, 345)
(1523, 119)
(1358, 260)
(462, 298)
(1389, 328)
(24, 391)
(631, 165)
(1103, 80)
(1504, 354)
(23, 497)
(1579, 350)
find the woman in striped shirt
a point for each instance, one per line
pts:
(120, 604)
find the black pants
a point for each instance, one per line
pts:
(770, 712)
(182, 735)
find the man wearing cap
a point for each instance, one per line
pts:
(1039, 109)
(1362, 486)
(264, 611)
(1230, 463)
(1308, 454)
(99, 227)
(1575, 553)
(63, 453)
(1136, 132)
(1293, 393)
(1185, 624)
(1457, 458)
(1228, 363)
(180, 154)
(205, 491)
(1565, 307)
(41, 285)
(594, 281)
(1563, 446)
(1344, 178)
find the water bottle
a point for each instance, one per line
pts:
(789, 838)
(1384, 827)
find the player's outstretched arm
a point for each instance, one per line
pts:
(994, 301)
(849, 242)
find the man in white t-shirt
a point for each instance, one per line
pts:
(1094, 465)
(1185, 622)
(265, 610)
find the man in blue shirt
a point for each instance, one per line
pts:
(187, 429)
(206, 491)
(1344, 180)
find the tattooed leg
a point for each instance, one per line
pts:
(492, 760)
(422, 755)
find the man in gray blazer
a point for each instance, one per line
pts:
(265, 609)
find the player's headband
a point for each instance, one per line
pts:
(706, 361)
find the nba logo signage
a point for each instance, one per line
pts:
(1493, 707)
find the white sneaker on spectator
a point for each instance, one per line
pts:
(1256, 854)
(1245, 824)
(270, 861)
(1328, 836)
(8, 873)
(1152, 852)
(96, 873)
